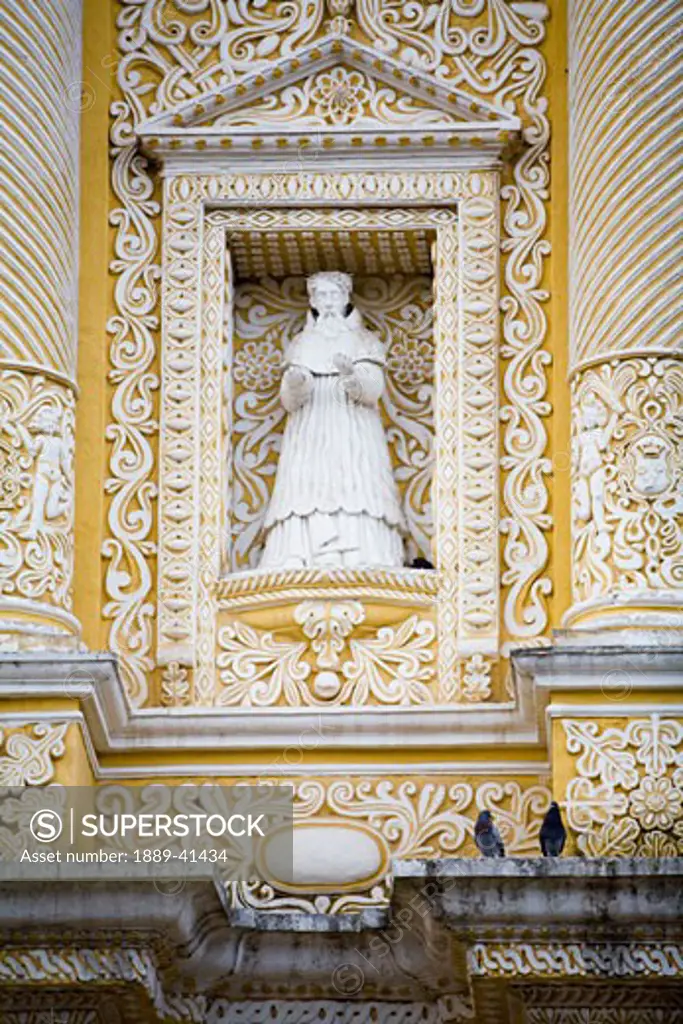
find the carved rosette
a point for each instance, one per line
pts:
(627, 488)
(36, 512)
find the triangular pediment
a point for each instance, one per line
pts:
(336, 88)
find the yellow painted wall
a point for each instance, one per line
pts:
(95, 287)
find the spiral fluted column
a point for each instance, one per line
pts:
(40, 51)
(626, 315)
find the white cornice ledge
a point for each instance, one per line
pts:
(112, 726)
(587, 660)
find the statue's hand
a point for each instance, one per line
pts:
(343, 364)
(298, 378)
(297, 385)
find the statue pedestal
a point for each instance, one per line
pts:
(314, 637)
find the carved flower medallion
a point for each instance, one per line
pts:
(339, 95)
(257, 365)
(411, 360)
(656, 803)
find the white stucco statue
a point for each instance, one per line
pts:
(335, 501)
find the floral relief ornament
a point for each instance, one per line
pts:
(657, 802)
(339, 95)
(257, 365)
(28, 754)
(626, 796)
(392, 666)
(415, 818)
(410, 360)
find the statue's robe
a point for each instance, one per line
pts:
(335, 500)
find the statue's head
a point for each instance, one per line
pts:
(46, 420)
(330, 292)
(593, 411)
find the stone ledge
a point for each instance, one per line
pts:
(450, 921)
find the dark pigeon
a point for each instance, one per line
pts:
(553, 834)
(487, 837)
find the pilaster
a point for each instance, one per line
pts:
(625, 314)
(40, 46)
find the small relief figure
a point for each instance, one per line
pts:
(596, 425)
(335, 501)
(340, 11)
(52, 457)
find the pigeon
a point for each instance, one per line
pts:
(421, 563)
(553, 833)
(487, 837)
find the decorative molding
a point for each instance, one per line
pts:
(251, 589)
(476, 344)
(439, 909)
(625, 797)
(83, 966)
(112, 726)
(129, 544)
(562, 960)
(627, 476)
(595, 996)
(625, 248)
(190, 459)
(313, 1011)
(64, 1006)
(41, 52)
(353, 97)
(592, 1015)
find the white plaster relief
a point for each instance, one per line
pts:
(436, 48)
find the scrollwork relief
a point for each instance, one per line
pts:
(335, 660)
(337, 97)
(604, 960)
(28, 753)
(129, 543)
(415, 818)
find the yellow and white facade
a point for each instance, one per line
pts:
(500, 177)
